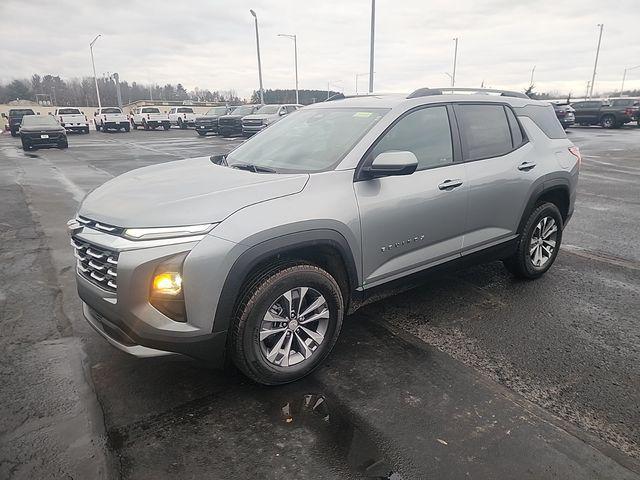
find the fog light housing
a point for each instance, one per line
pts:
(166, 293)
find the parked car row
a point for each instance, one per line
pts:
(242, 120)
(608, 113)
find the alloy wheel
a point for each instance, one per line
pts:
(294, 326)
(543, 242)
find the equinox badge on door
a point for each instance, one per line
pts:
(402, 243)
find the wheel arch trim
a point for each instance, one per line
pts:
(273, 247)
(541, 188)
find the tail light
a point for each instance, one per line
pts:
(86, 119)
(105, 117)
(575, 151)
(60, 118)
(148, 117)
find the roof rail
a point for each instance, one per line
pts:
(424, 92)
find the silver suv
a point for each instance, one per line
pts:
(257, 256)
(267, 115)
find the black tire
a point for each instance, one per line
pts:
(181, 124)
(133, 124)
(63, 144)
(25, 146)
(103, 128)
(145, 125)
(244, 334)
(520, 263)
(86, 131)
(202, 134)
(166, 126)
(608, 121)
(14, 133)
(127, 128)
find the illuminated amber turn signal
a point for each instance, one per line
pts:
(167, 283)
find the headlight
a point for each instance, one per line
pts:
(167, 232)
(166, 293)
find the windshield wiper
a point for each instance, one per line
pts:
(253, 168)
(219, 160)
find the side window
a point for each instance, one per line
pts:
(283, 111)
(516, 132)
(485, 131)
(424, 132)
(545, 118)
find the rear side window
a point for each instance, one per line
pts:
(626, 102)
(485, 131)
(424, 132)
(545, 118)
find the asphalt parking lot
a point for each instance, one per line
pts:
(472, 374)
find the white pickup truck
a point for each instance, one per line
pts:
(72, 119)
(107, 118)
(182, 116)
(149, 118)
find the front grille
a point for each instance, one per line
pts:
(252, 122)
(102, 227)
(97, 264)
(230, 122)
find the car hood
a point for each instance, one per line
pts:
(184, 192)
(256, 116)
(207, 117)
(232, 117)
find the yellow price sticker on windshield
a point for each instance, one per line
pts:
(362, 114)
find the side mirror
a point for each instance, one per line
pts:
(38, 113)
(282, 113)
(391, 163)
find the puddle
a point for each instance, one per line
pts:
(318, 413)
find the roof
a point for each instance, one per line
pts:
(426, 96)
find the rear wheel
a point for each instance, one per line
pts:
(538, 244)
(97, 127)
(86, 130)
(181, 124)
(608, 121)
(133, 124)
(127, 127)
(286, 324)
(166, 126)
(145, 125)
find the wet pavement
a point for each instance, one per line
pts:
(472, 374)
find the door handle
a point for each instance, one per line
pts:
(450, 184)
(526, 166)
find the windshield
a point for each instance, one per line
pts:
(269, 109)
(111, 110)
(68, 111)
(309, 141)
(244, 110)
(39, 120)
(20, 113)
(150, 110)
(217, 111)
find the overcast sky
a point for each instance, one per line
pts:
(211, 44)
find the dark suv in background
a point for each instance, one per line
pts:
(611, 113)
(15, 119)
(208, 123)
(231, 124)
(565, 113)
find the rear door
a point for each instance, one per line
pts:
(411, 222)
(588, 112)
(499, 178)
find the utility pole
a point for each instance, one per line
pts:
(255, 17)
(373, 28)
(595, 65)
(116, 77)
(455, 61)
(95, 78)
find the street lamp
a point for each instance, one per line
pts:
(373, 27)
(595, 65)
(295, 52)
(255, 17)
(624, 77)
(455, 61)
(95, 78)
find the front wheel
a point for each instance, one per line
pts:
(286, 324)
(538, 244)
(26, 146)
(201, 133)
(608, 121)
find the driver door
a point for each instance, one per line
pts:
(414, 221)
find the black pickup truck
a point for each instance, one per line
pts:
(611, 113)
(231, 124)
(15, 118)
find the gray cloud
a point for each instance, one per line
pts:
(211, 44)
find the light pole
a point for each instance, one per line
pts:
(595, 65)
(450, 77)
(358, 75)
(373, 28)
(455, 61)
(533, 70)
(624, 77)
(295, 52)
(255, 17)
(93, 64)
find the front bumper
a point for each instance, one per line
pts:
(124, 315)
(249, 129)
(207, 127)
(75, 126)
